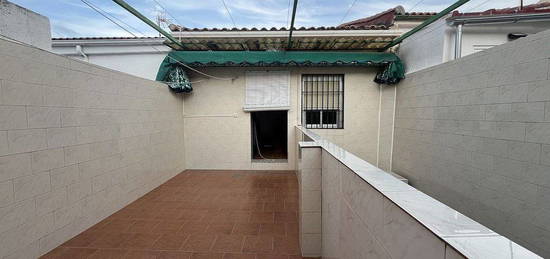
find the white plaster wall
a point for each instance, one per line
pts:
(425, 48)
(217, 125)
(24, 25)
(496, 34)
(137, 58)
(140, 65)
(385, 135)
(77, 143)
(475, 134)
(435, 44)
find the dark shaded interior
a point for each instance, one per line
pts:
(269, 135)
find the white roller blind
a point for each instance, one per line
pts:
(267, 90)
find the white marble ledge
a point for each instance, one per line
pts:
(467, 236)
(308, 144)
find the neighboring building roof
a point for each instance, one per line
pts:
(385, 19)
(178, 28)
(280, 43)
(371, 33)
(541, 7)
(265, 41)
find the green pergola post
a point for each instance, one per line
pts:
(292, 24)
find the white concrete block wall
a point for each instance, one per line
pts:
(310, 197)
(474, 134)
(359, 222)
(77, 143)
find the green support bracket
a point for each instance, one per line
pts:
(292, 24)
(142, 17)
(426, 23)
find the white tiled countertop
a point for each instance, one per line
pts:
(465, 235)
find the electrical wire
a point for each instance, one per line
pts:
(228, 12)
(106, 17)
(99, 10)
(119, 20)
(166, 10)
(479, 5)
(347, 12)
(415, 5)
(256, 140)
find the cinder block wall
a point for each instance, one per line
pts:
(475, 134)
(24, 25)
(77, 143)
(360, 222)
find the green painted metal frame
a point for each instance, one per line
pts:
(391, 69)
(426, 23)
(292, 24)
(142, 17)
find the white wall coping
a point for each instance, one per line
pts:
(308, 144)
(465, 235)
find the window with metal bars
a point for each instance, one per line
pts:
(323, 101)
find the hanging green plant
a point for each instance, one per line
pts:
(178, 81)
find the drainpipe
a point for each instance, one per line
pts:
(458, 41)
(80, 51)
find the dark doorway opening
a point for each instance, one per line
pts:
(269, 135)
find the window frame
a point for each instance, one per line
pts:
(339, 109)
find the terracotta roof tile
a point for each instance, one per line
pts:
(176, 28)
(386, 18)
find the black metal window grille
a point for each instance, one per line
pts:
(323, 101)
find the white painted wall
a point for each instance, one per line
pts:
(476, 36)
(218, 126)
(426, 48)
(138, 57)
(77, 143)
(141, 65)
(24, 25)
(435, 44)
(475, 134)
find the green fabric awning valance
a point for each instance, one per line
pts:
(392, 70)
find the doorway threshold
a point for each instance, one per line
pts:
(281, 161)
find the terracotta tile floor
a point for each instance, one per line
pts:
(200, 214)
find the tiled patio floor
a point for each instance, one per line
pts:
(200, 214)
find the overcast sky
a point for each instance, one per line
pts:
(72, 18)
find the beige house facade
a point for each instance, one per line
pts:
(222, 128)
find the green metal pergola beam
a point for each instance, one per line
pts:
(142, 17)
(292, 24)
(426, 23)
